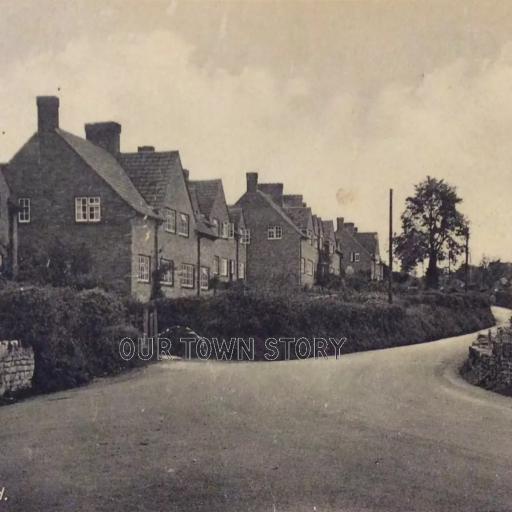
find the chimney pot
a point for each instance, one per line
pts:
(105, 135)
(146, 149)
(252, 181)
(47, 113)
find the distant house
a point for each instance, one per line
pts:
(132, 211)
(360, 251)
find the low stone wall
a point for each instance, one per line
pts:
(490, 359)
(16, 367)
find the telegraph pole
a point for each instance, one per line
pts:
(390, 276)
(467, 261)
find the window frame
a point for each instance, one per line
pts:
(207, 274)
(140, 276)
(303, 265)
(184, 274)
(170, 272)
(216, 265)
(357, 257)
(24, 209)
(241, 270)
(275, 232)
(169, 214)
(90, 202)
(181, 223)
(215, 223)
(310, 268)
(246, 236)
(222, 260)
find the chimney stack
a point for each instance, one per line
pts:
(349, 226)
(355, 230)
(47, 113)
(186, 174)
(146, 149)
(105, 135)
(252, 181)
(340, 223)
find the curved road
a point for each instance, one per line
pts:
(391, 430)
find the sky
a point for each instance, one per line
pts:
(338, 100)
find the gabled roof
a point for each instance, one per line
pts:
(328, 228)
(207, 191)
(346, 235)
(293, 201)
(150, 173)
(107, 167)
(236, 216)
(274, 190)
(203, 225)
(299, 216)
(369, 241)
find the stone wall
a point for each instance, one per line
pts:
(490, 359)
(16, 367)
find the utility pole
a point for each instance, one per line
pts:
(390, 291)
(467, 261)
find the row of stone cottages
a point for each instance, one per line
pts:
(140, 212)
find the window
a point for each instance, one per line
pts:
(231, 230)
(87, 209)
(224, 267)
(187, 275)
(24, 211)
(241, 271)
(170, 220)
(310, 237)
(167, 277)
(275, 232)
(183, 227)
(232, 268)
(302, 266)
(216, 226)
(144, 268)
(246, 236)
(310, 268)
(216, 265)
(225, 230)
(205, 278)
(357, 256)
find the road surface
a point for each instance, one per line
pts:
(391, 430)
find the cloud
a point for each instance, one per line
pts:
(453, 123)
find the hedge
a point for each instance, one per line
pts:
(421, 318)
(75, 335)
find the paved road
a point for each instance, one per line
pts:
(392, 430)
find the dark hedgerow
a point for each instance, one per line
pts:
(420, 318)
(75, 335)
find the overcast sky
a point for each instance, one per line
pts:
(339, 100)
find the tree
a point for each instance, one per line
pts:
(432, 228)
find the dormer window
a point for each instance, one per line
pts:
(215, 223)
(275, 232)
(231, 230)
(87, 209)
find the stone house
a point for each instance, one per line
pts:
(360, 251)
(132, 212)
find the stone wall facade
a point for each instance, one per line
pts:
(490, 359)
(16, 367)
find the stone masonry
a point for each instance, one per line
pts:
(490, 358)
(16, 367)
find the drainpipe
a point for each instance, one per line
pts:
(198, 264)
(156, 265)
(237, 241)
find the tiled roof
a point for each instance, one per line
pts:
(207, 191)
(293, 201)
(299, 216)
(236, 215)
(280, 211)
(107, 167)
(202, 224)
(344, 235)
(274, 190)
(328, 228)
(150, 172)
(368, 240)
